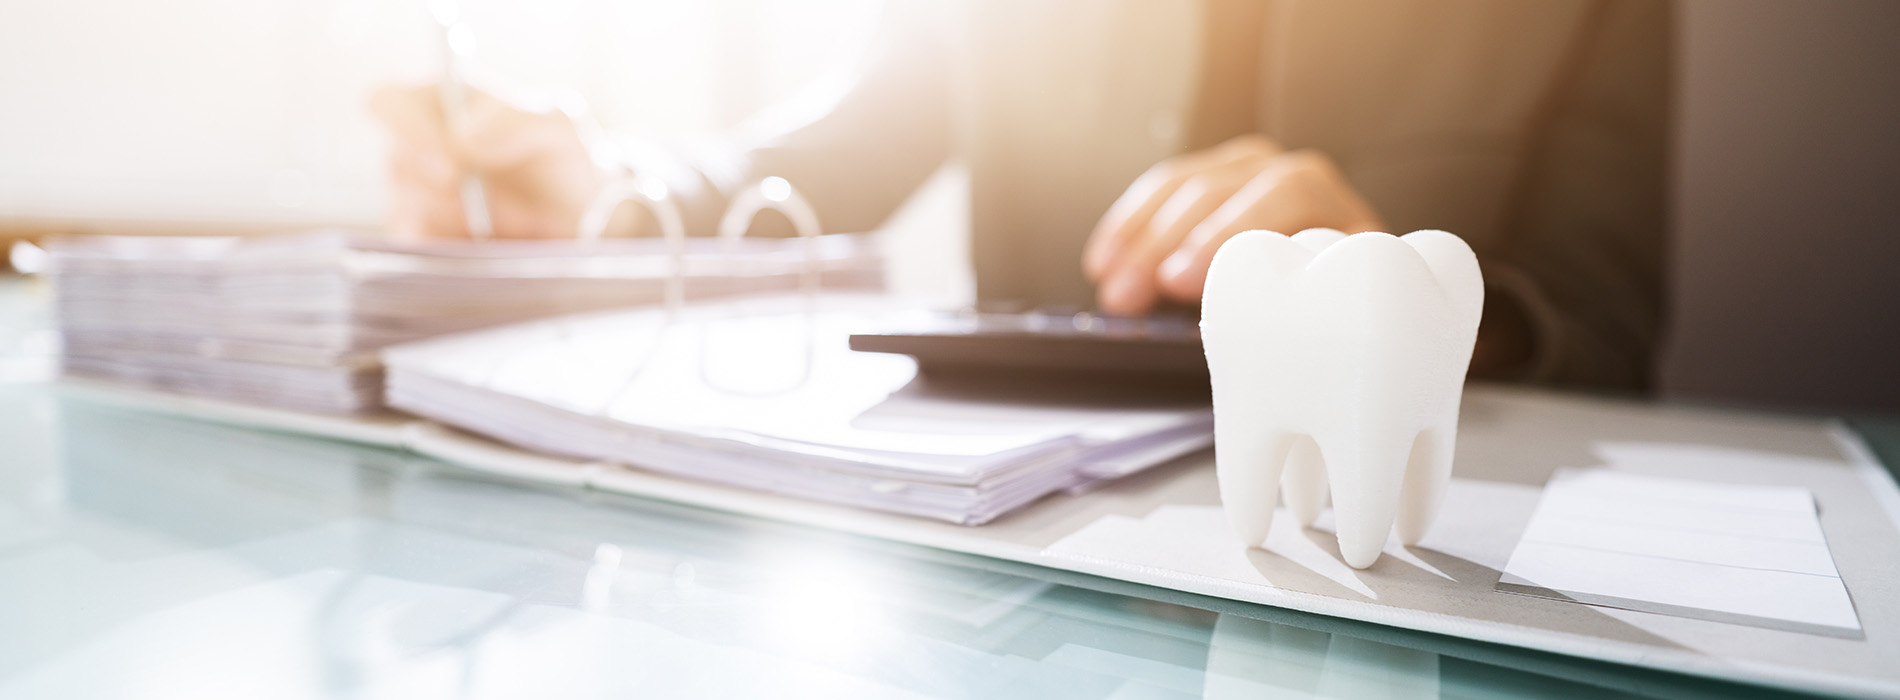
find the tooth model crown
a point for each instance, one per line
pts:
(1339, 360)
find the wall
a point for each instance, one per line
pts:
(1787, 204)
(223, 115)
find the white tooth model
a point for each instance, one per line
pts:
(1339, 360)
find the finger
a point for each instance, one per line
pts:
(1183, 276)
(422, 167)
(425, 172)
(429, 190)
(436, 209)
(1298, 191)
(413, 115)
(1126, 217)
(1130, 288)
(1194, 201)
(517, 217)
(402, 218)
(498, 136)
(416, 213)
(443, 215)
(1132, 211)
(1127, 292)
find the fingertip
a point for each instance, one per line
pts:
(1126, 294)
(386, 99)
(1109, 237)
(1185, 290)
(1095, 261)
(436, 169)
(408, 115)
(1175, 266)
(1183, 276)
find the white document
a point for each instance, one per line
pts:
(1732, 553)
(754, 392)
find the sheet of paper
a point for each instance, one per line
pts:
(755, 392)
(1734, 553)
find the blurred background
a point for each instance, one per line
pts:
(202, 115)
(213, 116)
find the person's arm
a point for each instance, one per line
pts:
(858, 152)
(1574, 296)
(537, 172)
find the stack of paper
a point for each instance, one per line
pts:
(761, 394)
(296, 320)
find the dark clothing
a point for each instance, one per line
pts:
(1536, 131)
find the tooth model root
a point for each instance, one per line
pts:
(1366, 471)
(1338, 363)
(1426, 474)
(1305, 481)
(1253, 476)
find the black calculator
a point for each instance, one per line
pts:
(1050, 343)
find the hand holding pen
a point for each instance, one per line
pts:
(463, 164)
(458, 46)
(537, 176)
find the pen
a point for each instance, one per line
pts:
(458, 41)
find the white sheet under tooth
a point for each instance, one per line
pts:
(1365, 464)
(1427, 474)
(1304, 483)
(1247, 463)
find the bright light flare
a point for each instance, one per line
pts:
(824, 609)
(776, 189)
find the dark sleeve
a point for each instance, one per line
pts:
(1580, 272)
(856, 148)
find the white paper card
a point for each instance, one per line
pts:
(1724, 552)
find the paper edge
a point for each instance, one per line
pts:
(1517, 586)
(1884, 489)
(387, 432)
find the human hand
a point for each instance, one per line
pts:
(1159, 238)
(536, 172)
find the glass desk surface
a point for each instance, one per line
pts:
(150, 556)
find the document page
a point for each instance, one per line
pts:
(1733, 553)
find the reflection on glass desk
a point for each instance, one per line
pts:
(149, 556)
